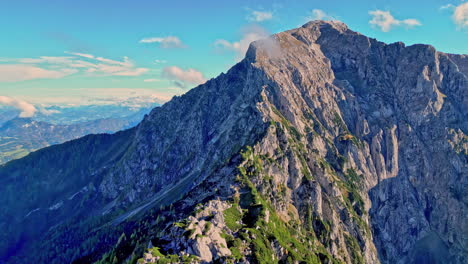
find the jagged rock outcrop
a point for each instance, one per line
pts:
(322, 145)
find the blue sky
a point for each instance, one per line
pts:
(75, 52)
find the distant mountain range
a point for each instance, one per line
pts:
(83, 113)
(20, 136)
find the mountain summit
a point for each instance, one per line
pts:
(321, 146)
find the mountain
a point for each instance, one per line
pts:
(321, 146)
(20, 136)
(68, 115)
(7, 115)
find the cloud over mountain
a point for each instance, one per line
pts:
(240, 47)
(27, 109)
(182, 77)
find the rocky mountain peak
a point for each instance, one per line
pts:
(322, 145)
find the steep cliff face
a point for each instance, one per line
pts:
(322, 145)
(408, 105)
(365, 153)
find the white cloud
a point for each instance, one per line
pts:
(411, 22)
(165, 42)
(460, 15)
(131, 72)
(134, 97)
(82, 64)
(160, 61)
(182, 77)
(259, 16)
(385, 21)
(21, 69)
(27, 109)
(48, 111)
(21, 72)
(46, 60)
(151, 80)
(116, 70)
(318, 14)
(114, 67)
(89, 56)
(447, 6)
(124, 63)
(240, 47)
